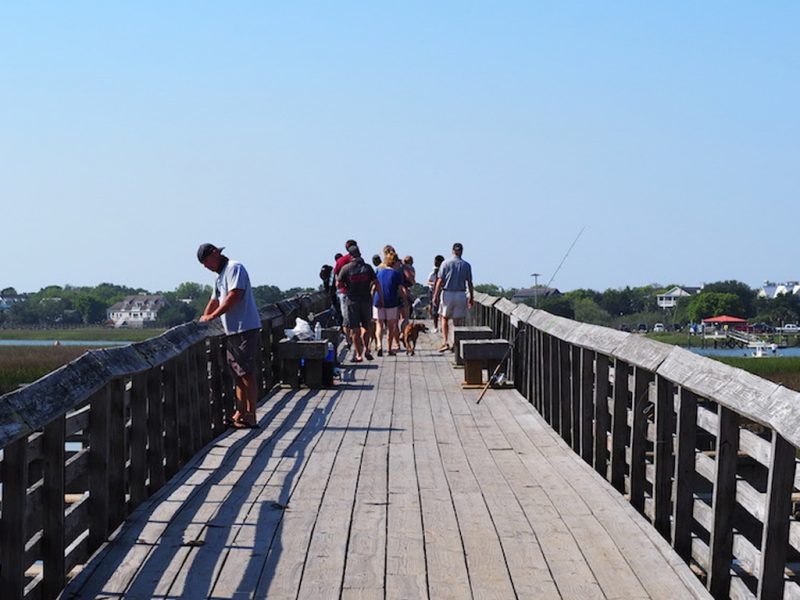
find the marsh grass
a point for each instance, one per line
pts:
(82, 334)
(25, 364)
(781, 369)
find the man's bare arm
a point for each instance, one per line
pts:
(233, 297)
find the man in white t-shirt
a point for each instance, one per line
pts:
(233, 302)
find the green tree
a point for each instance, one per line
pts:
(9, 291)
(92, 310)
(587, 310)
(557, 305)
(175, 314)
(193, 291)
(714, 304)
(744, 292)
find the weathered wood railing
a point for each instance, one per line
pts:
(705, 451)
(139, 413)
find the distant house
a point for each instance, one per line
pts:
(534, 292)
(6, 302)
(670, 298)
(771, 290)
(136, 311)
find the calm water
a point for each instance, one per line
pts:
(60, 343)
(748, 352)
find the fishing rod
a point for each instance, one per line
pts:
(561, 264)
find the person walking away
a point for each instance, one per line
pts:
(340, 291)
(386, 316)
(455, 276)
(359, 282)
(232, 301)
(433, 306)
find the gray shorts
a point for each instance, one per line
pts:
(241, 352)
(358, 313)
(454, 305)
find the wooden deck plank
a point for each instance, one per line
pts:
(394, 484)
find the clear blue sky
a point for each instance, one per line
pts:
(132, 132)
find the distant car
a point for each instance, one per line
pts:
(642, 328)
(658, 328)
(763, 328)
(677, 327)
(790, 328)
(624, 327)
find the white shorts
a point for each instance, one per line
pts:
(454, 305)
(385, 314)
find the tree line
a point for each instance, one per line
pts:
(626, 305)
(56, 305)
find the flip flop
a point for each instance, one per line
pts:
(444, 348)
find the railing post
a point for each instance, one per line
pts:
(99, 421)
(155, 429)
(662, 487)
(575, 396)
(601, 416)
(172, 434)
(183, 409)
(619, 425)
(53, 534)
(682, 510)
(554, 376)
(138, 452)
(564, 391)
(723, 504)
(586, 404)
(775, 535)
(116, 453)
(218, 414)
(203, 388)
(546, 366)
(14, 518)
(638, 468)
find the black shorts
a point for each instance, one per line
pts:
(358, 313)
(241, 352)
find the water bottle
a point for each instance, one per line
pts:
(330, 355)
(317, 331)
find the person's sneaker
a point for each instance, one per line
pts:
(368, 355)
(434, 330)
(380, 352)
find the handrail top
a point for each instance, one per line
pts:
(30, 408)
(755, 398)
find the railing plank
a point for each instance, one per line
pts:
(155, 430)
(640, 402)
(602, 418)
(587, 384)
(53, 530)
(686, 439)
(564, 388)
(619, 425)
(99, 420)
(775, 537)
(138, 443)
(662, 480)
(721, 534)
(118, 396)
(13, 519)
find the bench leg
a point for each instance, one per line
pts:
(290, 368)
(473, 372)
(313, 374)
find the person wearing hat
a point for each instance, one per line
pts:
(360, 283)
(232, 301)
(455, 276)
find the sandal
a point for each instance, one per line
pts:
(245, 425)
(444, 348)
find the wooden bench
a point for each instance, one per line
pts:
(469, 333)
(312, 353)
(479, 355)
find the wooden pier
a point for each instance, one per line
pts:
(617, 467)
(394, 484)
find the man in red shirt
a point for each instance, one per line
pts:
(341, 291)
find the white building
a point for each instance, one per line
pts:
(771, 290)
(670, 298)
(136, 311)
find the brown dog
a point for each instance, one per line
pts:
(410, 333)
